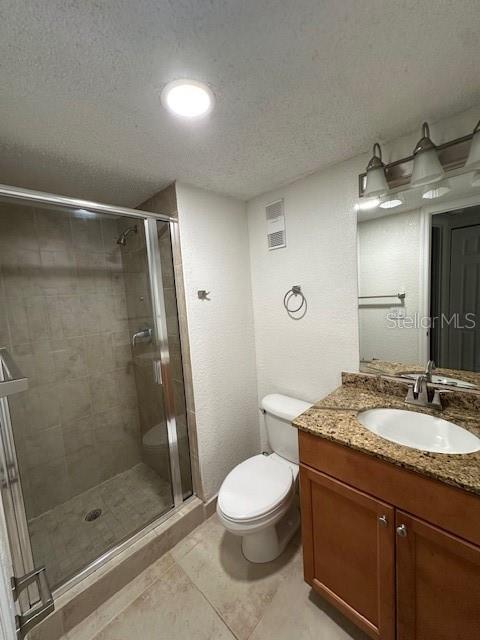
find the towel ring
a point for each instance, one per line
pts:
(294, 291)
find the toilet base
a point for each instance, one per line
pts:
(268, 543)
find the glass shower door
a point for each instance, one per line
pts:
(83, 300)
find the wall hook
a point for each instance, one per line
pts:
(203, 295)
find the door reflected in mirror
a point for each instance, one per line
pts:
(419, 293)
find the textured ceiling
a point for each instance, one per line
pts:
(299, 85)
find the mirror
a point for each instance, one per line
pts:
(419, 286)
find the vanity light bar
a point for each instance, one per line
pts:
(452, 156)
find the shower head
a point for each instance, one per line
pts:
(122, 239)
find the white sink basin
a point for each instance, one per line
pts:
(419, 431)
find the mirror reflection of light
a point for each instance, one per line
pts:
(436, 190)
(391, 202)
(84, 213)
(367, 205)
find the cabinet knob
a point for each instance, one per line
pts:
(383, 521)
(402, 530)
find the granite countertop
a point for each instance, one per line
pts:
(335, 418)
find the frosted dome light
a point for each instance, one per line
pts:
(187, 98)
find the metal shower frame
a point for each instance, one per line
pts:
(15, 507)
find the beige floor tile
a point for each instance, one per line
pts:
(298, 613)
(172, 608)
(113, 607)
(239, 590)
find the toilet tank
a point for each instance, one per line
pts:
(279, 411)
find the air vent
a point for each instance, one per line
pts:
(276, 235)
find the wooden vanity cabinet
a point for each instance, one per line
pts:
(438, 583)
(396, 553)
(349, 551)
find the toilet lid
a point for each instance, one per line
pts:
(254, 488)
(155, 436)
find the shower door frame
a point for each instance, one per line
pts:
(18, 521)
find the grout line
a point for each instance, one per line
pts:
(209, 604)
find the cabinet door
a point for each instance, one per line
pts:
(349, 551)
(438, 583)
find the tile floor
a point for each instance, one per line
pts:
(64, 542)
(205, 590)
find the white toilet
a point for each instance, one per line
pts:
(257, 498)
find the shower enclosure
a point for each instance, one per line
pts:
(94, 443)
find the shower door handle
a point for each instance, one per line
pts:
(12, 379)
(157, 371)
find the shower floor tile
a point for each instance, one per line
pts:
(65, 542)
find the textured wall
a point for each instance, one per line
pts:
(304, 358)
(389, 261)
(216, 257)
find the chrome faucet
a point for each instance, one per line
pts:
(428, 370)
(419, 386)
(422, 395)
(142, 334)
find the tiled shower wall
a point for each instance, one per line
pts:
(63, 315)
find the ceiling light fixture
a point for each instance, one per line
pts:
(376, 183)
(426, 165)
(187, 98)
(436, 190)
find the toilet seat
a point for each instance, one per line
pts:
(256, 489)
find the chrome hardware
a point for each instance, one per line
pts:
(422, 395)
(418, 386)
(399, 295)
(26, 621)
(383, 521)
(8, 474)
(203, 295)
(12, 379)
(157, 371)
(428, 370)
(293, 292)
(142, 334)
(402, 531)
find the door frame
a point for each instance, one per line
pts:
(426, 213)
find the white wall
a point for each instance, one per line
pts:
(215, 251)
(388, 262)
(304, 358)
